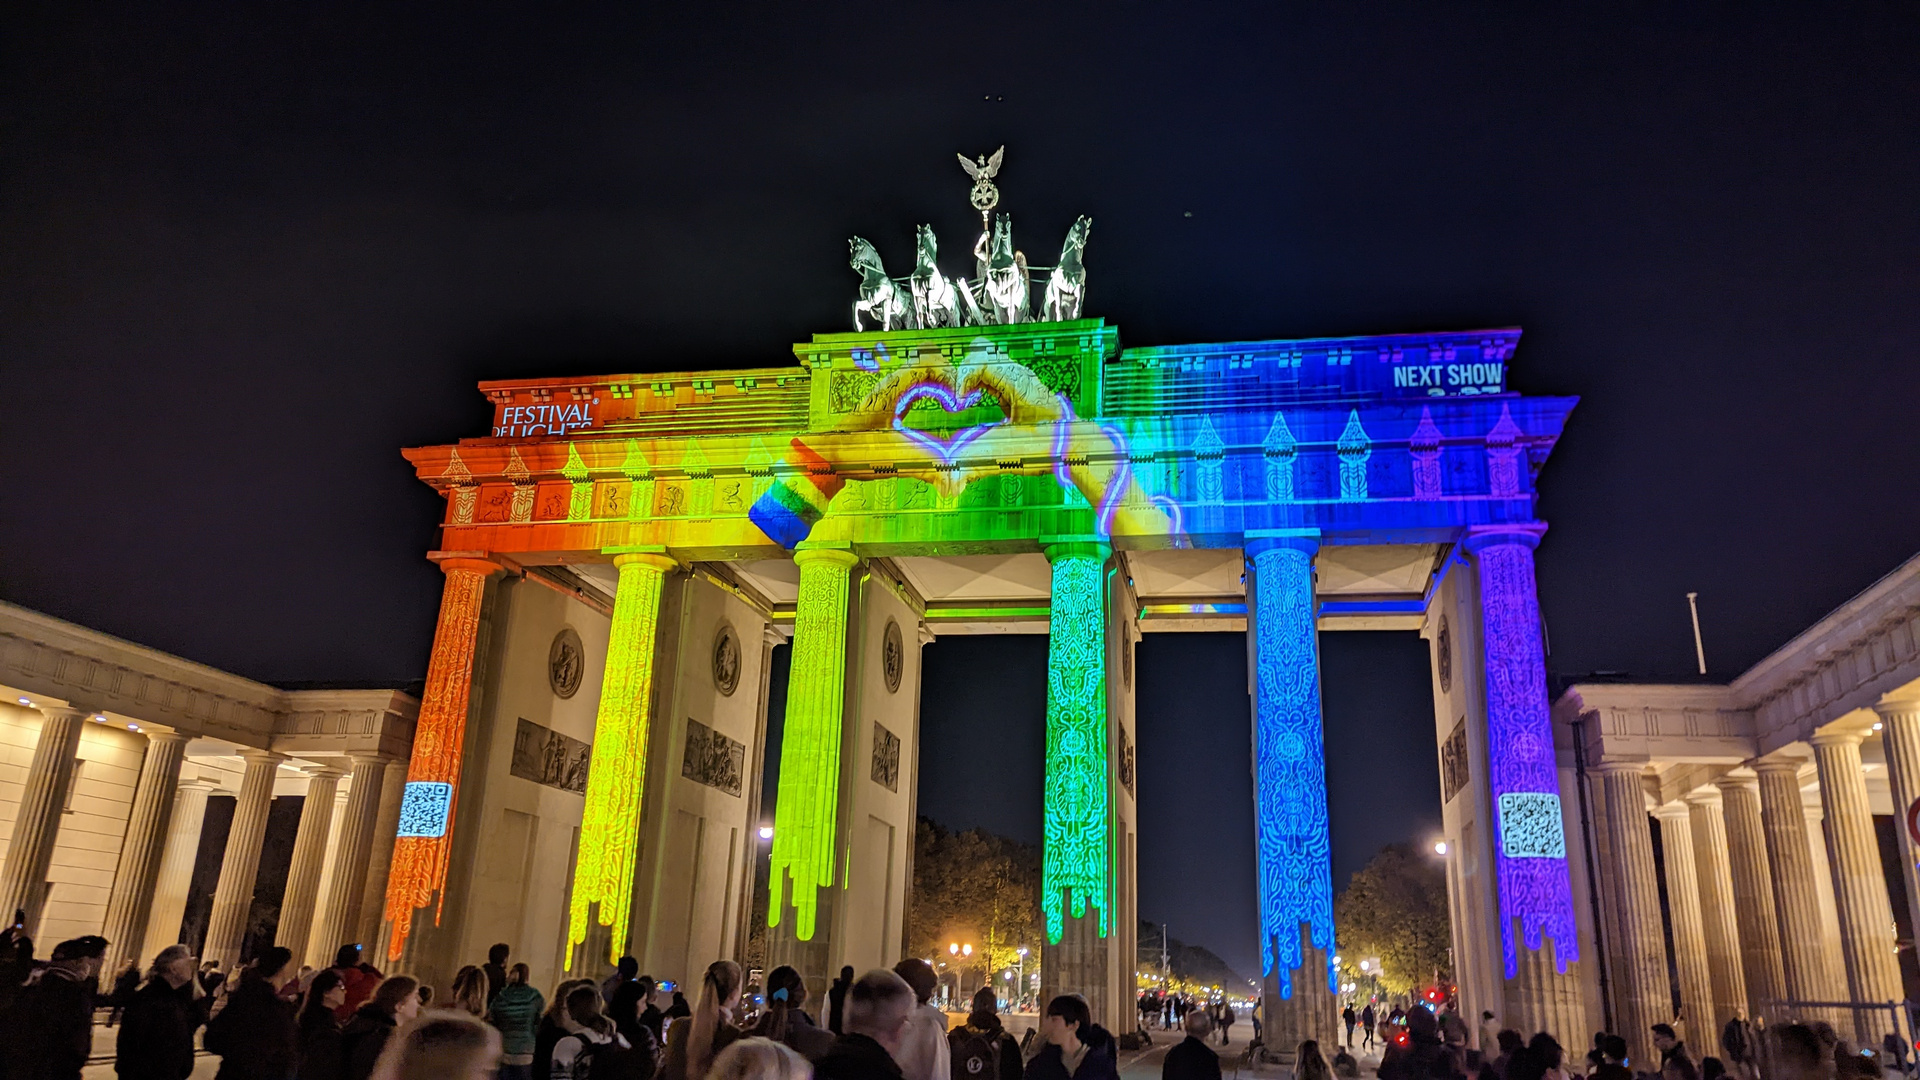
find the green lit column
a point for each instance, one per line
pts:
(1077, 884)
(806, 812)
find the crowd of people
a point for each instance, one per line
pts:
(1169, 1011)
(273, 1020)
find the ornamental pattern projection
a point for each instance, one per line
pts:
(804, 823)
(1531, 849)
(610, 821)
(1290, 826)
(1074, 874)
(420, 852)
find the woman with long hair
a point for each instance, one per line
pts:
(322, 1056)
(1308, 1064)
(588, 1030)
(550, 1030)
(516, 1012)
(759, 1059)
(445, 1045)
(691, 1046)
(394, 1002)
(469, 991)
(787, 1022)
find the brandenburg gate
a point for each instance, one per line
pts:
(622, 553)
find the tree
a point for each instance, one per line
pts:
(978, 887)
(1395, 908)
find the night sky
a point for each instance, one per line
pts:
(248, 253)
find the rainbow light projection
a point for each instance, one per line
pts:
(616, 779)
(1530, 845)
(1074, 867)
(804, 824)
(1290, 776)
(419, 870)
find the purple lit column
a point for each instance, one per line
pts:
(1530, 846)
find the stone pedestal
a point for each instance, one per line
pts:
(1719, 916)
(1701, 1033)
(1859, 887)
(233, 896)
(1796, 896)
(36, 826)
(1637, 951)
(1760, 961)
(141, 851)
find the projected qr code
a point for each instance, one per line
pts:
(1530, 826)
(423, 809)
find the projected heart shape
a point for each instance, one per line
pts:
(946, 450)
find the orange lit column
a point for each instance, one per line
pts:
(425, 833)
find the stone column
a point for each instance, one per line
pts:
(1637, 952)
(1719, 915)
(616, 780)
(1900, 739)
(1796, 896)
(1823, 885)
(1859, 886)
(419, 868)
(806, 812)
(1689, 930)
(141, 850)
(36, 827)
(386, 824)
(176, 867)
(1294, 876)
(339, 924)
(1760, 961)
(233, 896)
(309, 852)
(319, 954)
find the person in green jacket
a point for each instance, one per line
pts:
(516, 1012)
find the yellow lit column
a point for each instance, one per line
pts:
(1900, 739)
(610, 824)
(1760, 961)
(338, 923)
(140, 852)
(1689, 930)
(1796, 894)
(176, 867)
(302, 894)
(233, 896)
(806, 811)
(1719, 917)
(1859, 885)
(36, 825)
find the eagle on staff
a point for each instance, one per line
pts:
(984, 196)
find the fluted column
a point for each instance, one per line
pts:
(339, 923)
(1796, 897)
(233, 897)
(1719, 914)
(23, 883)
(1689, 930)
(175, 878)
(1900, 739)
(1859, 886)
(1637, 952)
(1823, 885)
(141, 850)
(1760, 959)
(309, 852)
(386, 824)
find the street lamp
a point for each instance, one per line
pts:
(766, 832)
(1439, 847)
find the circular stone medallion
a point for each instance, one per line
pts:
(893, 656)
(726, 660)
(1443, 656)
(566, 661)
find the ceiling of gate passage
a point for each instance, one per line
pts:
(1179, 590)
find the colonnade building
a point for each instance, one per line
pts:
(1751, 808)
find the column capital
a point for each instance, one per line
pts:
(651, 560)
(1524, 533)
(1671, 811)
(371, 759)
(826, 552)
(324, 772)
(1777, 765)
(1616, 766)
(1730, 782)
(476, 562)
(1704, 797)
(166, 737)
(75, 712)
(1060, 547)
(261, 757)
(1905, 709)
(1831, 737)
(1255, 541)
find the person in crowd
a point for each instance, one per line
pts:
(982, 1048)
(1712, 1068)
(654, 1015)
(1797, 1053)
(515, 1011)
(1424, 1057)
(1547, 1051)
(448, 1045)
(691, 1046)
(875, 1014)
(1191, 1058)
(394, 1002)
(16, 963)
(1507, 1043)
(256, 1033)
(679, 1009)
(1736, 1040)
(1349, 1018)
(426, 995)
(124, 984)
(582, 1051)
(758, 1058)
(211, 978)
(1613, 1059)
(1367, 1020)
(837, 999)
(496, 969)
(1680, 1067)
(626, 971)
(357, 976)
(550, 1028)
(1344, 1065)
(624, 1010)
(51, 1025)
(923, 1052)
(321, 1056)
(786, 1020)
(1226, 1025)
(1489, 1033)
(1669, 1044)
(157, 1026)
(469, 991)
(1076, 1048)
(1308, 1064)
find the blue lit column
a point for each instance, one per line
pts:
(1530, 847)
(1294, 871)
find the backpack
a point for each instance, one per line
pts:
(973, 1054)
(611, 1061)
